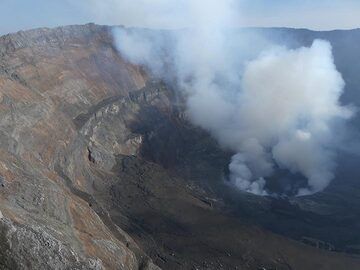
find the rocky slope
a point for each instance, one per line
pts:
(48, 78)
(100, 169)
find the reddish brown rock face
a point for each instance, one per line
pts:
(47, 78)
(99, 167)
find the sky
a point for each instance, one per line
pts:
(318, 15)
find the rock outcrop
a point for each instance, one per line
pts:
(47, 79)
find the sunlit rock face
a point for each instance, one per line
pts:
(48, 79)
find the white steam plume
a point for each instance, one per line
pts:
(277, 110)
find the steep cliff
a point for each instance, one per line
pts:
(48, 78)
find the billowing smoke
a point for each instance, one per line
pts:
(276, 108)
(285, 115)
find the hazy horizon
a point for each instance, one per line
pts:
(323, 15)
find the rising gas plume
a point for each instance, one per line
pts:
(274, 107)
